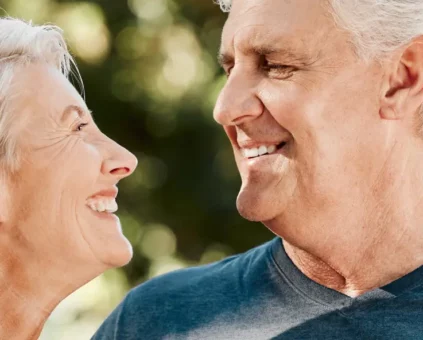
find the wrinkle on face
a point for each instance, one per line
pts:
(347, 182)
(84, 237)
(303, 105)
(273, 23)
(50, 149)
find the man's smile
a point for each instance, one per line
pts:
(261, 150)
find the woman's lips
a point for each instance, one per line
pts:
(104, 215)
(112, 192)
(102, 204)
(104, 201)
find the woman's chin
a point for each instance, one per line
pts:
(119, 256)
(108, 243)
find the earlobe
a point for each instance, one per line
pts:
(388, 112)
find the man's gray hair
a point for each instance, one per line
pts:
(377, 27)
(22, 43)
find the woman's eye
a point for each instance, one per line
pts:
(80, 126)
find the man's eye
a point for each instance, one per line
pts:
(278, 70)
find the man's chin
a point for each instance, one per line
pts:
(254, 207)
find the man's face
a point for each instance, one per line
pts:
(296, 89)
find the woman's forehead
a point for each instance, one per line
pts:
(43, 89)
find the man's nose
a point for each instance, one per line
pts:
(238, 102)
(119, 162)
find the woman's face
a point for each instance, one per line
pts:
(68, 174)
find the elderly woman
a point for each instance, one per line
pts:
(58, 182)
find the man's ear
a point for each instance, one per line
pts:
(403, 90)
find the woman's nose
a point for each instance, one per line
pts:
(120, 163)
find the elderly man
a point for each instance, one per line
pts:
(323, 109)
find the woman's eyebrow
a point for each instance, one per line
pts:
(74, 108)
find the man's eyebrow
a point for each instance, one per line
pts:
(264, 50)
(74, 108)
(287, 53)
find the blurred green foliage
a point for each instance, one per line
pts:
(151, 78)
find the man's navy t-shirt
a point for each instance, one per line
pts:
(262, 295)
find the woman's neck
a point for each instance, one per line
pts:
(31, 286)
(21, 319)
(23, 309)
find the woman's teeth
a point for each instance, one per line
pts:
(102, 204)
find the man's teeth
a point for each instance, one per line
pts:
(103, 204)
(262, 150)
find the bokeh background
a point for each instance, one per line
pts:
(151, 78)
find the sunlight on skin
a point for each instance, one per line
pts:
(52, 242)
(345, 154)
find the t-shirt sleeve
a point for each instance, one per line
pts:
(172, 305)
(111, 329)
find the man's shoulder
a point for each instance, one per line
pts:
(182, 298)
(201, 280)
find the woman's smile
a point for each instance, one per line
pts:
(60, 177)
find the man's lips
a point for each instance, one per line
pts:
(253, 145)
(250, 144)
(263, 149)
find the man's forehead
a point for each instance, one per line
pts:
(278, 7)
(257, 23)
(258, 39)
(267, 41)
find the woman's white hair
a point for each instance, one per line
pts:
(377, 27)
(22, 43)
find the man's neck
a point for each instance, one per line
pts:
(367, 276)
(362, 245)
(369, 256)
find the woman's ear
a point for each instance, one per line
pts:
(403, 90)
